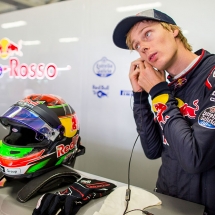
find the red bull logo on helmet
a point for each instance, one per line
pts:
(8, 48)
(62, 149)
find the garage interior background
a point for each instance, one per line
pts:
(91, 74)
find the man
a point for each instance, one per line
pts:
(182, 133)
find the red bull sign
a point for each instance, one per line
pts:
(15, 69)
(9, 48)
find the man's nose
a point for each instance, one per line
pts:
(144, 47)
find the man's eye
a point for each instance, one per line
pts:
(137, 47)
(148, 33)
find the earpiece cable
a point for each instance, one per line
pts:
(128, 190)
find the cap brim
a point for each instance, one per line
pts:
(123, 27)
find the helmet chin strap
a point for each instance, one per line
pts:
(51, 180)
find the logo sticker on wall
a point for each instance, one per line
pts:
(126, 93)
(15, 69)
(100, 91)
(8, 48)
(104, 68)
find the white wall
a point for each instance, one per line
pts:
(107, 126)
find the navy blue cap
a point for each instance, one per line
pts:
(123, 27)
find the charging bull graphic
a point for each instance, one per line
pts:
(160, 108)
(189, 111)
(9, 48)
(184, 108)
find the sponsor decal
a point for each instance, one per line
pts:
(104, 68)
(63, 149)
(180, 82)
(126, 93)
(32, 71)
(160, 108)
(8, 48)
(74, 122)
(12, 171)
(18, 70)
(97, 185)
(27, 103)
(207, 118)
(78, 202)
(100, 91)
(212, 98)
(85, 181)
(189, 111)
(14, 130)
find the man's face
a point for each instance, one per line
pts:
(155, 44)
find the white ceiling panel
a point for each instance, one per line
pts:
(12, 5)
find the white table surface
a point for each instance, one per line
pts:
(170, 206)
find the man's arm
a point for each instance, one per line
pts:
(194, 145)
(147, 128)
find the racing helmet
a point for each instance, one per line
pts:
(43, 134)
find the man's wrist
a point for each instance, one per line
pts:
(158, 89)
(140, 97)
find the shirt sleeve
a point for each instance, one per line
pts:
(147, 127)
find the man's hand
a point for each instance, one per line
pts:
(143, 76)
(134, 75)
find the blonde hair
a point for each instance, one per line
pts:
(168, 27)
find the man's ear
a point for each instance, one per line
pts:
(175, 32)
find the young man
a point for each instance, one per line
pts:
(182, 133)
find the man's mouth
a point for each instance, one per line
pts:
(152, 57)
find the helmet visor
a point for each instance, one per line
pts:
(28, 119)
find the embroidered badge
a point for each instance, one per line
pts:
(159, 106)
(189, 111)
(207, 118)
(180, 82)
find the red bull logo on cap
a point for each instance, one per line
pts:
(9, 48)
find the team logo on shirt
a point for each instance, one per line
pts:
(180, 82)
(159, 107)
(187, 110)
